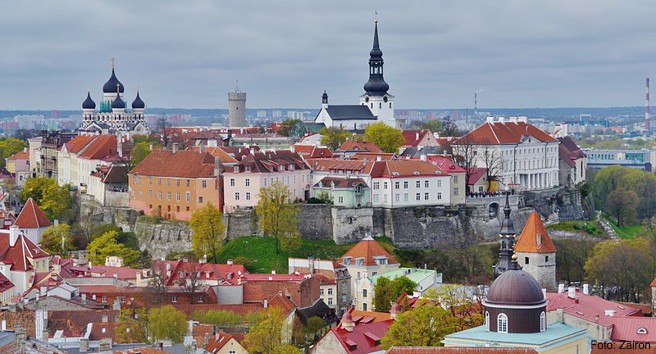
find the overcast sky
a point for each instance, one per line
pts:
(437, 53)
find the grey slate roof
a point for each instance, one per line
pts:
(350, 112)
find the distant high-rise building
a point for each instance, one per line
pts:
(237, 109)
(261, 114)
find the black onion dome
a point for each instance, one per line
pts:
(88, 103)
(376, 86)
(515, 287)
(110, 85)
(138, 103)
(118, 103)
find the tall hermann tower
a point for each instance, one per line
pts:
(237, 108)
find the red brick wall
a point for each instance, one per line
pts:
(303, 293)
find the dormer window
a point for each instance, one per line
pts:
(236, 169)
(359, 261)
(346, 260)
(642, 330)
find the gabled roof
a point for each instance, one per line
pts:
(503, 133)
(100, 147)
(5, 284)
(78, 143)
(633, 329)
(219, 151)
(365, 337)
(534, 237)
(350, 112)
(19, 255)
(271, 161)
(414, 137)
(218, 341)
(355, 145)
(182, 163)
(312, 151)
(369, 250)
(31, 217)
(21, 155)
(445, 163)
(476, 174)
(569, 152)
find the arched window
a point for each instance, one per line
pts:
(364, 292)
(487, 321)
(502, 323)
(543, 322)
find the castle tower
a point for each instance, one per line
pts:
(237, 109)
(506, 241)
(376, 97)
(536, 252)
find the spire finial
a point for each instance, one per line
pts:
(113, 63)
(376, 16)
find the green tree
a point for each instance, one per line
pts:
(425, 325)
(622, 204)
(57, 240)
(278, 216)
(387, 138)
(139, 153)
(167, 322)
(434, 125)
(54, 200)
(267, 336)
(132, 326)
(387, 291)
(208, 231)
(107, 245)
(292, 128)
(333, 137)
(621, 268)
(8, 147)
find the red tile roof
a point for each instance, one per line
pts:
(415, 137)
(534, 237)
(569, 152)
(31, 217)
(354, 145)
(445, 163)
(274, 277)
(373, 156)
(218, 341)
(271, 161)
(218, 151)
(633, 329)
(368, 249)
(241, 309)
(222, 273)
(503, 133)
(21, 155)
(101, 147)
(589, 307)
(5, 284)
(312, 151)
(340, 182)
(365, 337)
(19, 255)
(78, 143)
(185, 164)
(476, 174)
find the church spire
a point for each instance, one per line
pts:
(376, 86)
(506, 243)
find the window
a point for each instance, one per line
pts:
(177, 196)
(159, 195)
(188, 182)
(150, 180)
(321, 292)
(364, 306)
(384, 198)
(248, 182)
(426, 196)
(140, 193)
(177, 183)
(200, 298)
(330, 291)
(384, 185)
(159, 180)
(439, 183)
(487, 321)
(405, 184)
(418, 196)
(168, 182)
(397, 185)
(248, 195)
(340, 200)
(439, 195)
(364, 292)
(232, 182)
(168, 196)
(203, 184)
(200, 200)
(455, 179)
(502, 323)
(330, 301)
(546, 258)
(455, 191)
(187, 196)
(397, 197)
(236, 195)
(426, 184)
(150, 193)
(376, 185)
(405, 197)
(418, 184)
(525, 260)
(543, 322)
(375, 198)
(104, 298)
(174, 298)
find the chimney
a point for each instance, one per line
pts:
(13, 235)
(175, 147)
(586, 289)
(311, 265)
(119, 145)
(561, 288)
(422, 157)
(84, 298)
(378, 158)
(417, 136)
(490, 119)
(273, 272)
(502, 120)
(217, 166)
(229, 262)
(266, 303)
(571, 292)
(610, 313)
(104, 319)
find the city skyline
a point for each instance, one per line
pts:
(437, 54)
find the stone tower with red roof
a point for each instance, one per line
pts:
(536, 252)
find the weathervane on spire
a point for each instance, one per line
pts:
(375, 16)
(236, 85)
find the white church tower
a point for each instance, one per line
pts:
(376, 97)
